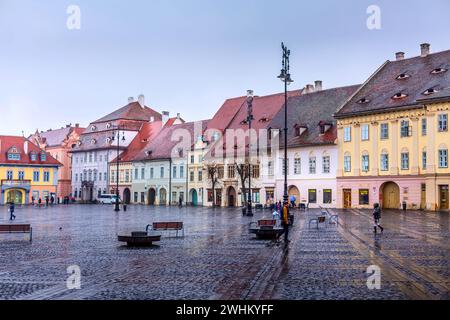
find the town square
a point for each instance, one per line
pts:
(186, 155)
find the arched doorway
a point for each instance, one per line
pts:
(15, 196)
(231, 197)
(193, 196)
(163, 197)
(126, 196)
(390, 195)
(151, 197)
(293, 191)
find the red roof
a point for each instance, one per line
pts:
(7, 143)
(147, 133)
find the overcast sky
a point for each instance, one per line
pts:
(188, 56)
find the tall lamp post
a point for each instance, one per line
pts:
(285, 76)
(116, 136)
(249, 120)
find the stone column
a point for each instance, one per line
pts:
(394, 135)
(356, 159)
(375, 154)
(415, 152)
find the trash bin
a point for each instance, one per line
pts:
(404, 206)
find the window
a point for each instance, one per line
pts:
(34, 157)
(405, 160)
(424, 127)
(76, 177)
(90, 157)
(90, 175)
(220, 172)
(365, 163)
(136, 174)
(442, 122)
(297, 166)
(327, 196)
(100, 176)
(142, 173)
(21, 175)
(181, 172)
(270, 168)
(95, 175)
(365, 132)
(443, 158)
(210, 195)
(424, 160)
(347, 134)
(36, 176)
(191, 176)
(200, 175)
(231, 171)
(384, 162)
(326, 164)
(363, 197)
(105, 177)
(14, 156)
(347, 163)
(152, 173)
(142, 197)
(256, 196)
(46, 176)
(312, 165)
(312, 196)
(384, 131)
(161, 172)
(192, 159)
(255, 173)
(9, 175)
(405, 130)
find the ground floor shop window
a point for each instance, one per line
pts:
(210, 195)
(327, 196)
(363, 196)
(256, 196)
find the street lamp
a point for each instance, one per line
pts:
(249, 120)
(285, 76)
(116, 135)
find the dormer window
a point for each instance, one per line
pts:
(403, 76)
(324, 127)
(108, 125)
(363, 101)
(93, 128)
(148, 153)
(429, 91)
(180, 152)
(399, 96)
(439, 70)
(264, 119)
(243, 122)
(93, 141)
(79, 143)
(33, 156)
(108, 140)
(299, 129)
(13, 154)
(43, 156)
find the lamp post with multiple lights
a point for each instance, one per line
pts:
(285, 76)
(116, 136)
(249, 120)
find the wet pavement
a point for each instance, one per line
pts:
(219, 259)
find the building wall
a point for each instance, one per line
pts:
(156, 183)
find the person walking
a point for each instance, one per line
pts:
(180, 201)
(39, 202)
(46, 201)
(11, 211)
(285, 222)
(377, 218)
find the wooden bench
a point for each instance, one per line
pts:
(17, 228)
(265, 229)
(166, 226)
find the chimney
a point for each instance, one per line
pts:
(399, 56)
(77, 125)
(425, 49)
(130, 100)
(25, 146)
(165, 117)
(178, 116)
(309, 88)
(152, 119)
(318, 85)
(141, 100)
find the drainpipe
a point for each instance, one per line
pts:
(187, 179)
(170, 182)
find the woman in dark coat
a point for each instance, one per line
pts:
(377, 218)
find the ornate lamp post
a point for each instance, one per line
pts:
(249, 120)
(285, 76)
(116, 136)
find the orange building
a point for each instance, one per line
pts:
(59, 143)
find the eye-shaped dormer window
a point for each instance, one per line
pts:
(403, 76)
(439, 70)
(399, 96)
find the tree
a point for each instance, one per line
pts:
(243, 171)
(212, 175)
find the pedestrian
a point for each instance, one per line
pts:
(32, 201)
(377, 218)
(39, 202)
(46, 201)
(180, 201)
(293, 199)
(11, 211)
(52, 200)
(285, 223)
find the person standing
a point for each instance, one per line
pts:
(46, 201)
(39, 202)
(377, 218)
(180, 201)
(11, 211)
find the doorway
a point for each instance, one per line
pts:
(391, 195)
(347, 198)
(443, 197)
(231, 196)
(151, 197)
(126, 196)
(15, 196)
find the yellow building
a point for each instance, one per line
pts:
(393, 136)
(27, 172)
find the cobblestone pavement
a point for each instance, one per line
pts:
(218, 259)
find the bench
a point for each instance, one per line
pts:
(265, 229)
(318, 220)
(17, 228)
(166, 226)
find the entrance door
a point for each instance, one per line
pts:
(443, 197)
(423, 196)
(151, 197)
(231, 197)
(127, 196)
(347, 198)
(194, 198)
(15, 196)
(391, 196)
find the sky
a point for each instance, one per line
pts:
(188, 56)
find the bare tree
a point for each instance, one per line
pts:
(212, 175)
(243, 171)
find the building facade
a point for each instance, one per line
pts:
(59, 143)
(27, 172)
(393, 136)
